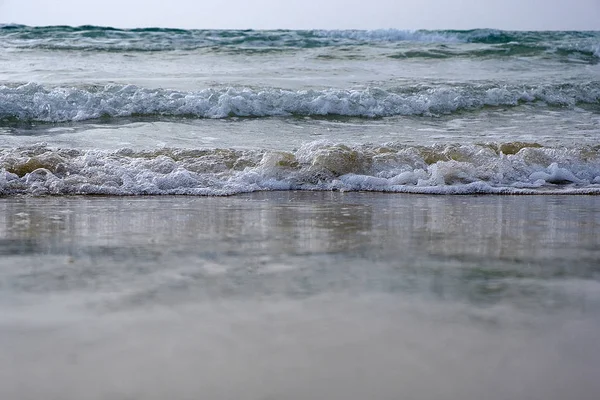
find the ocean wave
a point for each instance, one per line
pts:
(299, 38)
(93, 38)
(587, 53)
(482, 36)
(33, 102)
(491, 168)
(90, 38)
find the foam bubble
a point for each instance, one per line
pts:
(321, 165)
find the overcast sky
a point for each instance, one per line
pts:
(309, 14)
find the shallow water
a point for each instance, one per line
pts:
(314, 275)
(300, 295)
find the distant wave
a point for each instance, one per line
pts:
(487, 36)
(158, 39)
(32, 102)
(472, 36)
(492, 168)
(583, 53)
(92, 38)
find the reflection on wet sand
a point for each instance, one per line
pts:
(300, 295)
(492, 226)
(380, 237)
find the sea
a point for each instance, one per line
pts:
(299, 214)
(93, 110)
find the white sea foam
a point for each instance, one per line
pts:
(391, 35)
(513, 168)
(33, 102)
(596, 50)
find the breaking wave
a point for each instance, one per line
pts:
(491, 168)
(33, 102)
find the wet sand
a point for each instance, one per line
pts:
(298, 295)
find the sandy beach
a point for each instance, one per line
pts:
(300, 295)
